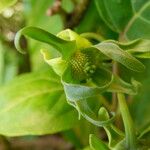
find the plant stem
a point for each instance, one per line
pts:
(74, 18)
(128, 123)
(114, 95)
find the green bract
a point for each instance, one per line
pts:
(82, 69)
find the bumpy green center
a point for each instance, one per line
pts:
(82, 66)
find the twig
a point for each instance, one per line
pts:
(114, 96)
(115, 71)
(56, 8)
(74, 18)
(70, 19)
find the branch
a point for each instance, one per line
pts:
(72, 19)
(75, 17)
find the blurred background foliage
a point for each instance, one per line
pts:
(82, 16)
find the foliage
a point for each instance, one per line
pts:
(84, 71)
(38, 104)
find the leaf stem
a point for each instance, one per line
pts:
(128, 123)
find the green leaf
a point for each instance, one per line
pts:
(138, 45)
(101, 77)
(115, 13)
(34, 13)
(34, 104)
(97, 144)
(90, 16)
(139, 48)
(6, 3)
(63, 46)
(130, 18)
(139, 24)
(114, 52)
(119, 85)
(103, 14)
(114, 134)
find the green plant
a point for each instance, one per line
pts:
(84, 74)
(83, 71)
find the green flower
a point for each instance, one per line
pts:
(82, 67)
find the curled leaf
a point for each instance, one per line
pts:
(63, 46)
